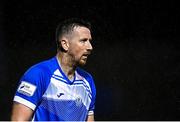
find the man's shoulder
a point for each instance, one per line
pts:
(84, 73)
(88, 78)
(43, 66)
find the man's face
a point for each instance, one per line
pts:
(80, 45)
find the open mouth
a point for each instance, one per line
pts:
(86, 54)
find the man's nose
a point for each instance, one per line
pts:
(89, 46)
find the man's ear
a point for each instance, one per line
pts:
(65, 44)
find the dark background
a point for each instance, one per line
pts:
(136, 58)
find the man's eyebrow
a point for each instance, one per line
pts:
(86, 39)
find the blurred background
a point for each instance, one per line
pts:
(135, 61)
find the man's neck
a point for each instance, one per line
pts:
(66, 64)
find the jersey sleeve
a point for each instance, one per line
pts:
(93, 89)
(30, 88)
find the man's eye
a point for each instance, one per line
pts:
(83, 40)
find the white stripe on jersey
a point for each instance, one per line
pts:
(57, 72)
(24, 102)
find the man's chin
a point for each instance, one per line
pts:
(82, 62)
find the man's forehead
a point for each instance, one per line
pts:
(82, 31)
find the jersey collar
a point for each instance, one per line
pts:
(63, 74)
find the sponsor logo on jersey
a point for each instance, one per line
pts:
(26, 88)
(60, 94)
(78, 101)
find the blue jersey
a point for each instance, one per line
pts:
(52, 96)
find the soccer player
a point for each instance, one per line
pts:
(58, 89)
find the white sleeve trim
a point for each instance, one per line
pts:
(90, 112)
(24, 102)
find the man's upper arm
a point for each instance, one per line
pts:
(28, 94)
(90, 117)
(93, 99)
(21, 112)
